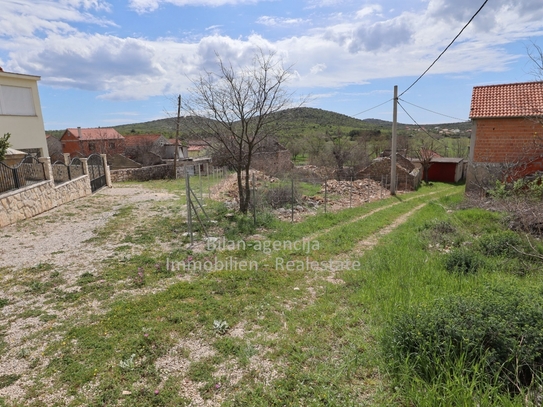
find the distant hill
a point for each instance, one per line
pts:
(295, 122)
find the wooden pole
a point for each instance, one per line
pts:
(177, 137)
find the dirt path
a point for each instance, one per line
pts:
(316, 235)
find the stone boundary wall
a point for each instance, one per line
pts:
(142, 174)
(32, 200)
(162, 171)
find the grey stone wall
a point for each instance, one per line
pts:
(142, 174)
(30, 201)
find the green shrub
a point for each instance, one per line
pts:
(500, 243)
(499, 330)
(463, 260)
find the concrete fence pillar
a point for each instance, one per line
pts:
(106, 170)
(48, 169)
(66, 158)
(85, 165)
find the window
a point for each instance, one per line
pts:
(91, 147)
(16, 101)
(111, 145)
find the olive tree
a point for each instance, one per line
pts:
(233, 110)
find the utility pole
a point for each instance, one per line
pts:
(394, 143)
(176, 154)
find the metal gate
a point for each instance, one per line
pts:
(96, 172)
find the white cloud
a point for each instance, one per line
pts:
(145, 6)
(354, 49)
(279, 21)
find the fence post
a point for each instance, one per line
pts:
(292, 200)
(325, 194)
(351, 194)
(189, 204)
(106, 170)
(47, 168)
(254, 200)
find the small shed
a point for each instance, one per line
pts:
(446, 169)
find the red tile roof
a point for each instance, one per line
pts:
(508, 100)
(101, 133)
(139, 139)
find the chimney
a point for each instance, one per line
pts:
(79, 132)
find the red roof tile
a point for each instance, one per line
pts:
(101, 133)
(508, 100)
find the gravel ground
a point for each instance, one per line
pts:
(55, 241)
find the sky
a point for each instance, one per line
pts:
(112, 62)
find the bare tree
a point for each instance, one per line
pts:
(424, 151)
(535, 53)
(232, 110)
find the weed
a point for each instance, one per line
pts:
(8, 380)
(220, 327)
(127, 364)
(463, 260)
(138, 279)
(3, 302)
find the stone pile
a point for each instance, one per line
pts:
(363, 190)
(228, 187)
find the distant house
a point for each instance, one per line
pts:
(20, 113)
(84, 142)
(507, 133)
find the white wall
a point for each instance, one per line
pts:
(25, 126)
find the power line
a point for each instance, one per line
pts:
(431, 111)
(419, 126)
(448, 46)
(375, 107)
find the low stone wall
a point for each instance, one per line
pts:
(142, 174)
(162, 171)
(32, 200)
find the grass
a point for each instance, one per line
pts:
(291, 337)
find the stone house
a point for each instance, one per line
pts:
(147, 149)
(84, 142)
(272, 157)
(507, 133)
(379, 170)
(20, 113)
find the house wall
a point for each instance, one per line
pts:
(27, 132)
(503, 147)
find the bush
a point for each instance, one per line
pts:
(500, 243)
(499, 329)
(463, 260)
(281, 195)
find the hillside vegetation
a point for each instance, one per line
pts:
(296, 122)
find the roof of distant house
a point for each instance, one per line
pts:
(508, 100)
(100, 133)
(139, 139)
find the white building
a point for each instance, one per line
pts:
(20, 113)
